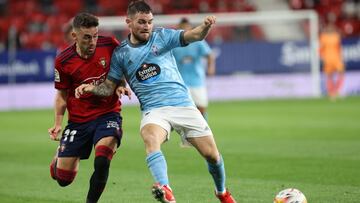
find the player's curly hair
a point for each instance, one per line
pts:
(86, 20)
(138, 6)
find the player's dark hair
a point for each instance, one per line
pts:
(138, 6)
(86, 20)
(184, 20)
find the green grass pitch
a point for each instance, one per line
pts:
(268, 145)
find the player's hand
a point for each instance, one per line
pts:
(209, 21)
(82, 89)
(123, 91)
(211, 71)
(54, 133)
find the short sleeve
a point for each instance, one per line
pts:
(115, 73)
(173, 38)
(61, 79)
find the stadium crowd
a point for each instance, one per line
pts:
(40, 23)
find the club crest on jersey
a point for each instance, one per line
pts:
(57, 76)
(148, 73)
(102, 62)
(155, 50)
(62, 148)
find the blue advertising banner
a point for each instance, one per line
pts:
(29, 66)
(281, 57)
(232, 58)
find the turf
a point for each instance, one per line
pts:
(268, 145)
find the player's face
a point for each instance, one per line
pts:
(86, 39)
(141, 25)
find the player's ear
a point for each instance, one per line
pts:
(73, 35)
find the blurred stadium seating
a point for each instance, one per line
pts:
(345, 13)
(39, 23)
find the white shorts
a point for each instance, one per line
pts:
(199, 95)
(186, 121)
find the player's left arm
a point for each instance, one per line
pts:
(200, 32)
(104, 89)
(211, 64)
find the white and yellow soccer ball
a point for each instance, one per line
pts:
(290, 195)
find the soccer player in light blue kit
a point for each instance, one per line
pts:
(194, 61)
(146, 61)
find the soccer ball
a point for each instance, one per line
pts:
(290, 195)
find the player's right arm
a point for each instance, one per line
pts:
(59, 110)
(105, 89)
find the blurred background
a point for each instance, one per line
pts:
(269, 107)
(264, 48)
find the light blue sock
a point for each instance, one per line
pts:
(157, 164)
(217, 171)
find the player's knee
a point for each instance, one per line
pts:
(212, 157)
(64, 177)
(104, 151)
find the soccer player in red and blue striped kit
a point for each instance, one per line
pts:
(93, 121)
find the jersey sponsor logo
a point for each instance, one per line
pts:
(112, 124)
(95, 80)
(148, 73)
(57, 76)
(102, 62)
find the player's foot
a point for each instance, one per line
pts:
(163, 193)
(225, 197)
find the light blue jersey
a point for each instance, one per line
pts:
(190, 63)
(151, 71)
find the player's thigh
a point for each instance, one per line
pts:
(154, 125)
(108, 131)
(68, 163)
(110, 141)
(153, 134)
(206, 146)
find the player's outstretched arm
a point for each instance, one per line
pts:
(200, 32)
(104, 89)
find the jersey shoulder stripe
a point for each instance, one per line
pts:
(63, 54)
(103, 39)
(123, 43)
(105, 45)
(64, 60)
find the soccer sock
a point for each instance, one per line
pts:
(103, 156)
(339, 83)
(330, 86)
(158, 167)
(217, 171)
